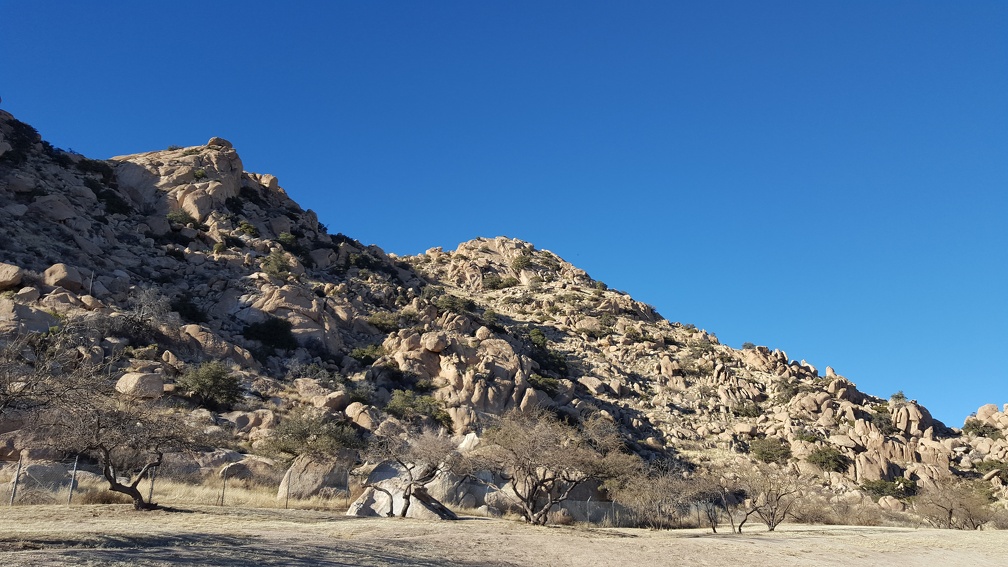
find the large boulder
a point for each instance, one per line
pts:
(67, 277)
(140, 385)
(385, 494)
(307, 476)
(10, 276)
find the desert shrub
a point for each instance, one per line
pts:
(219, 248)
(199, 174)
(291, 244)
(633, 333)
(882, 419)
(545, 383)
(176, 253)
(21, 139)
(521, 262)
(367, 355)
(212, 383)
(549, 360)
(454, 304)
(181, 217)
(407, 405)
(899, 488)
(276, 265)
(829, 459)
(770, 450)
(808, 436)
(100, 497)
(310, 433)
(748, 345)
(976, 427)
(786, 391)
(748, 409)
(984, 467)
(272, 333)
(245, 227)
(899, 397)
(384, 321)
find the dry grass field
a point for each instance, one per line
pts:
(114, 534)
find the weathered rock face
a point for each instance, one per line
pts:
(10, 276)
(308, 476)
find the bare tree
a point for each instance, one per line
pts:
(544, 460)
(420, 456)
(37, 369)
(954, 504)
(127, 437)
(770, 492)
(655, 494)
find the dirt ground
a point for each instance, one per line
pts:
(116, 535)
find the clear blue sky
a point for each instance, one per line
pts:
(828, 178)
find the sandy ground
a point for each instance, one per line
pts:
(116, 535)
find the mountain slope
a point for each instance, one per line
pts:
(235, 270)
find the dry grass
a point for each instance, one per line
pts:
(116, 535)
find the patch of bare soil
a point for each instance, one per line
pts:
(117, 535)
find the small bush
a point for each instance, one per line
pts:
(770, 450)
(407, 405)
(882, 419)
(454, 304)
(899, 488)
(310, 433)
(276, 265)
(245, 227)
(521, 262)
(199, 174)
(181, 217)
(367, 355)
(748, 346)
(748, 409)
(545, 383)
(213, 384)
(272, 333)
(384, 321)
(976, 427)
(829, 459)
(219, 248)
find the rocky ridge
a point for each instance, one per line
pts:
(494, 325)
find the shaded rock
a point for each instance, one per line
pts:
(140, 385)
(62, 275)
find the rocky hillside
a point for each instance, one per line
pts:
(232, 269)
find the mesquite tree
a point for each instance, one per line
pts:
(544, 460)
(421, 456)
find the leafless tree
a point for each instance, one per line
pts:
(770, 492)
(655, 494)
(954, 504)
(544, 460)
(37, 369)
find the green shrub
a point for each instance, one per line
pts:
(770, 450)
(808, 436)
(748, 409)
(181, 217)
(882, 419)
(407, 405)
(976, 427)
(272, 333)
(899, 488)
(829, 459)
(384, 321)
(276, 265)
(545, 383)
(368, 355)
(984, 467)
(245, 227)
(899, 397)
(310, 433)
(454, 304)
(521, 262)
(748, 346)
(219, 248)
(212, 383)
(199, 174)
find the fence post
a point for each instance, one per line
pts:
(290, 478)
(224, 487)
(152, 474)
(17, 476)
(73, 479)
(588, 509)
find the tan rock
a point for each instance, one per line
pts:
(140, 385)
(10, 276)
(62, 275)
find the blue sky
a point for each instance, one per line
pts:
(827, 178)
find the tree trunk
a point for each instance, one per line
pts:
(407, 494)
